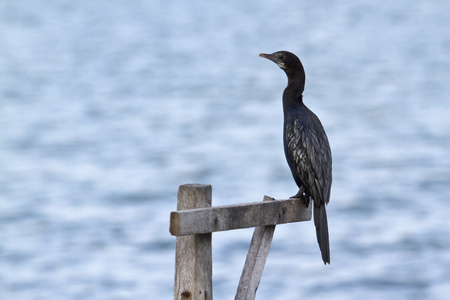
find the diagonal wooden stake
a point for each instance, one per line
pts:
(255, 261)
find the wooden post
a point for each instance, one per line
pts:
(193, 258)
(195, 220)
(255, 261)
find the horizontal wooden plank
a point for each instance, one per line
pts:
(228, 217)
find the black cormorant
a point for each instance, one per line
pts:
(306, 146)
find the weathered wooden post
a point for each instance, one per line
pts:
(195, 220)
(193, 258)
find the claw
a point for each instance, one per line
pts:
(300, 193)
(307, 199)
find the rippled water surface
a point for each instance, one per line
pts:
(106, 107)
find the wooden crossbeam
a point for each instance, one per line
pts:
(228, 217)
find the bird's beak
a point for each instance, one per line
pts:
(272, 57)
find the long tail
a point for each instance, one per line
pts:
(320, 220)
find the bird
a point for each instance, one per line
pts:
(306, 146)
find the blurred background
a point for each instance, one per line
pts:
(106, 107)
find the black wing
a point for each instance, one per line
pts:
(309, 155)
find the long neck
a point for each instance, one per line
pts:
(297, 78)
(293, 94)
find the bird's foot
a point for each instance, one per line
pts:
(298, 195)
(301, 194)
(307, 199)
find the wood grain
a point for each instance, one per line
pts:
(193, 258)
(220, 218)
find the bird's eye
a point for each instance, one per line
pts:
(281, 57)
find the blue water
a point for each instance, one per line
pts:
(106, 107)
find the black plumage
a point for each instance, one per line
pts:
(306, 146)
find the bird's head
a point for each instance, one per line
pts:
(289, 62)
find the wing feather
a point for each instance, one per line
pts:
(309, 155)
